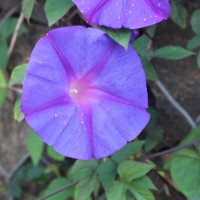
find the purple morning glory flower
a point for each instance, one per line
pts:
(84, 93)
(131, 14)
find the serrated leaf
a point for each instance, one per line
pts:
(18, 115)
(130, 170)
(121, 36)
(57, 184)
(194, 42)
(3, 53)
(18, 74)
(106, 172)
(179, 14)
(185, 172)
(195, 20)
(198, 60)
(56, 9)
(53, 154)
(35, 147)
(117, 191)
(27, 8)
(149, 69)
(171, 53)
(130, 149)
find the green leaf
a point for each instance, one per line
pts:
(144, 182)
(154, 132)
(7, 28)
(35, 172)
(2, 95)
(57, 184)
(149, 69)
(35, 147)
(121, 36)
(83, 168)
(2, 80)
(52, 153)
(117, 191)
(3, 53)
(195, 21)
(27, 8)
(56, 9)
(129, 150)
(198, 60)
(85, 187)
(194, 42)
(141, 193)
(185, 171)
(18, 74)
(141, 45)
(171, 53)
(18, 115)
(106, 173)
(130, 170)
(179, 14)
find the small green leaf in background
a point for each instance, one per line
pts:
(53, 154)
(129, 150)
(55, 9)
(7, 28)
(141, 45)
(198, 60)
(27, 8)
(18, 74)
(2, 80)
(130, 170)
(171, 53)
(194, 42)
(3, 53)
(149, 69)
(18, 115)
(121, 36)
(117, 191)
(35, 147)
(195, 20)
(144, 182)
(185, 172)
(179, 14)
(106, 173)
(57, 184)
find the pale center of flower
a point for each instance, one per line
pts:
(78, 92)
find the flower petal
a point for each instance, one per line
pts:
(83, 47)
(127, 13)
(114, 124)
(123, 76)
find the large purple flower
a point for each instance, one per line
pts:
(131, 14)
(83, 93)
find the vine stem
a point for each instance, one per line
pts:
(59, 190)
(176, 105)
(170, 150)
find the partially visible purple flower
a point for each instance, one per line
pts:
(134, 34)
(131, 14)
(84, 93)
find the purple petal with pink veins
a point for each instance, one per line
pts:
(84, 94)
(131, 14)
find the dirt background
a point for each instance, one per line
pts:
(181, 78)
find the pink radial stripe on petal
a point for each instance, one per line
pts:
(86, 95)
(131, 14)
